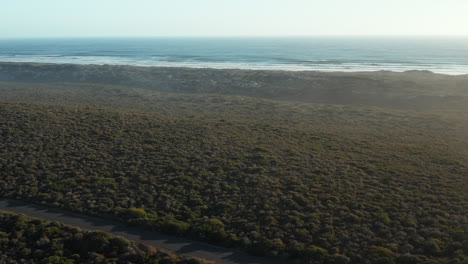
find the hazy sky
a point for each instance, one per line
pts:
(86, 18)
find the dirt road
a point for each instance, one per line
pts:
(174, 244)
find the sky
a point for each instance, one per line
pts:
(219, 18)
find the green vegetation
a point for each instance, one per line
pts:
(25, 240)
(309, 182)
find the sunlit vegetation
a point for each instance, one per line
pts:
(308, 182)
(25, 240)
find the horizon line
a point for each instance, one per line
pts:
(242, 36)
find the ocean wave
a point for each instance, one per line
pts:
(165, 61)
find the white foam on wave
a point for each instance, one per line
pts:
(450, 69)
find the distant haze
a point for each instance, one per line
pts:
(145, 18)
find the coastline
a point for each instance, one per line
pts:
(161, 78)
(201, 66)
(370, 68)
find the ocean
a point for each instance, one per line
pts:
(440, 55)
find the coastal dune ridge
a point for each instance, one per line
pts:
(407, 90)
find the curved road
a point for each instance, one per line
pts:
(175, 244)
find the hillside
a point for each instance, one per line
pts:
(312, 182)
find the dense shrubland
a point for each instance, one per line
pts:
(316, 183)
(25, 240)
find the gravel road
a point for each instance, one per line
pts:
(171, 243)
